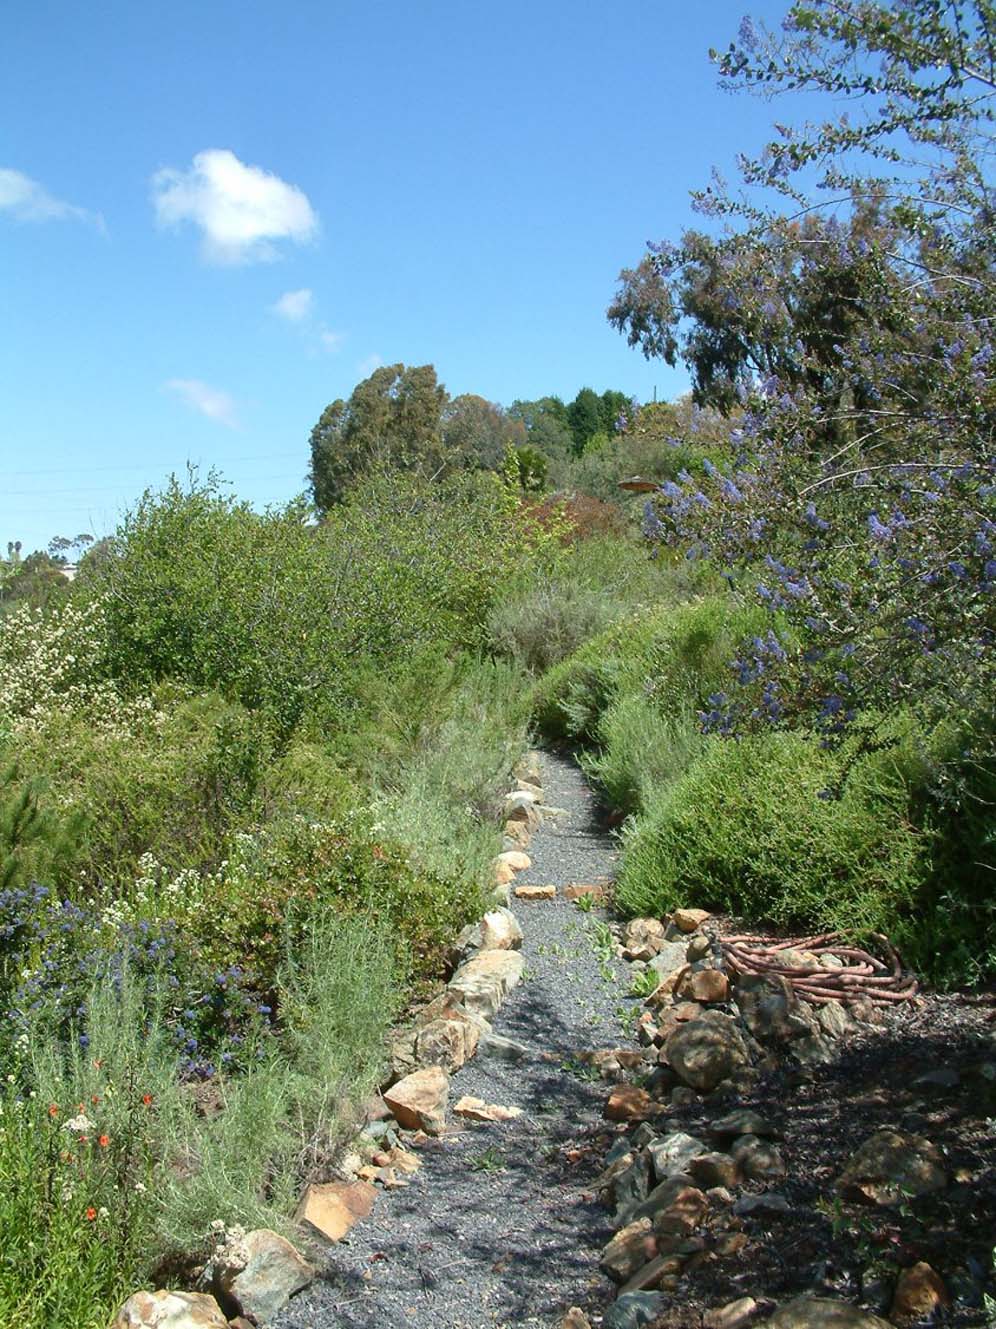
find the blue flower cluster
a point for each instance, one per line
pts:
(53, 952)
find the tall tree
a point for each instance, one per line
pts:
(392, 418)
(476, 432)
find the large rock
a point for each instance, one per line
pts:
(448, 1042)
(689, 920)
(920, 1291)
(628, 1102)
(770, 1009)
(733, 1315)
(704, 985)
(483, 982)
(261, 1272)
(822, 1313)
(331, 1208)
(629, 1250)
(671, 957)
(890, 1166)
(419, 1100)
(515, 859)
(170, 1310)
(642, 938)
(500, 931)
(757, 1159)
(671, 1154)
(517, 834)
(707, 1050)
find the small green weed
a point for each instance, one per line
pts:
(492, 1160)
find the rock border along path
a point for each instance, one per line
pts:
(501, 1227)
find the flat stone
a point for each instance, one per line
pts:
(584, 890)
(892, 1165)
(822, 1313)
(650, 1276)
(733, 1315)
(920, 1291)
(535, 892)
(332, 1208)
(743, 1121)
(504, 874)
(476, 1109)
(170, 1310)
(627, 1102)
(629, 1250)
(261, 1272)
(505, 1049)
(762, 1205)
(419, 1100)
(707, 1050)
(690, 920)
(634, 1310)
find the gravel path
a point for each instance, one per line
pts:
(497, 1229)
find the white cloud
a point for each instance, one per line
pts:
(294, 306)
(330, 341)
(202, 397)
(241, 210)
(28, 201)
(366, 367)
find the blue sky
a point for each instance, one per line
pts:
(217, 217)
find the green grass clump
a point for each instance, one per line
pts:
(749, 829)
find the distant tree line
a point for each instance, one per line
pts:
(402, 416)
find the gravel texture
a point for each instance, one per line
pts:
(498, 1229)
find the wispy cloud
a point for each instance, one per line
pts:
(200, 396)
(299, 308)
(366, 367)
(26, 200)
(242, 211)
(294, 306)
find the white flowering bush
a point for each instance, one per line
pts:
(55, 663)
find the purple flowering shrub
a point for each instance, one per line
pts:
(857, 497)
(53, 952)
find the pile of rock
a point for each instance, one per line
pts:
(706, 1034)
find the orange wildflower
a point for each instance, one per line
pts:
(147, 1100)
(104, 1141)
(53, 1109)
(91, 1214)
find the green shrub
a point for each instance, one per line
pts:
(280, 1125)
(173, 785)
(748, 829)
